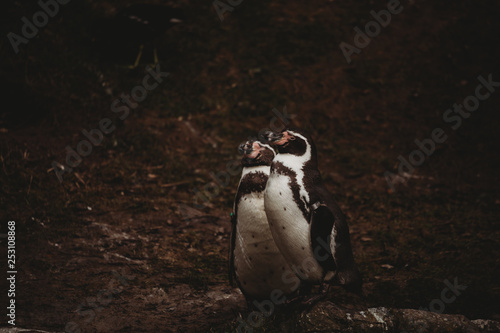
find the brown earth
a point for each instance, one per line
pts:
(120, 245)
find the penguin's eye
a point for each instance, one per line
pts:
(291, 138)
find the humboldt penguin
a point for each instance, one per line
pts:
(307, 225)
(255, 262)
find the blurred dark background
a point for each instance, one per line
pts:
(128, 206)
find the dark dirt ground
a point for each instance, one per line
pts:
(118, 245)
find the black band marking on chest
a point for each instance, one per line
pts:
(252, 182)
(280, 169)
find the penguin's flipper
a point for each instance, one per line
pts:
(347, 272)
(321, 222)
(330, 233)
(232, 243)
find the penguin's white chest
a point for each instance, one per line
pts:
(258, 262)
(289, 227)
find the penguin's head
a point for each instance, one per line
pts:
(289, 141)
(256, 153)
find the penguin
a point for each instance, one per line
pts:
(307, 225)
(255, 262)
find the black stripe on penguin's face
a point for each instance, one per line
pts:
(256, 153)
(291, 144)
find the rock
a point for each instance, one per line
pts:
(328, 317)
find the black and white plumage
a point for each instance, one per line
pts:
(306, 222)
(254, 260)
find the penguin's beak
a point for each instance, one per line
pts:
(250, 150)
(272, 137)
(245, 148)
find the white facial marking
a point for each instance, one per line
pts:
(296, 163)
(259, 168)
(332, 240)
(267, 146)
